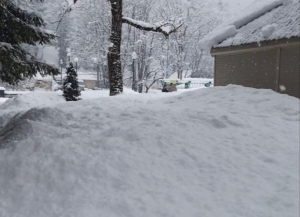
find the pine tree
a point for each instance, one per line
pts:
(18, 27)
(70, 85)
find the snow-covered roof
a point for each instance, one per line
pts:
(261, 21)
(281, 22)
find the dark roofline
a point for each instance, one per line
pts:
(255, 46)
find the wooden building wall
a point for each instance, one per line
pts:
(275, 68)
(289, 70)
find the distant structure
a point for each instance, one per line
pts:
(262, 52)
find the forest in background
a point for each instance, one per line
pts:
(83, 33)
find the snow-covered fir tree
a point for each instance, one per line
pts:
(70, 85)
(19, 28)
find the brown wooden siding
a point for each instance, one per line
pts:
(250, 69)
(289, 70)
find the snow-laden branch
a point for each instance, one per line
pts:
(164, 27)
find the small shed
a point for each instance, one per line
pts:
(90, 83)
(262, 52)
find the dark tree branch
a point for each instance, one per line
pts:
(161, 27)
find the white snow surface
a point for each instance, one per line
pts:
(267, 30)
(18, 105)
(229, 28)
(217, 36)
(2, 100)
(222, 151)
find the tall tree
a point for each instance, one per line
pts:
(19, 27)
(114, 50)
(178, 53)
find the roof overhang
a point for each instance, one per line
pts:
(263, 45)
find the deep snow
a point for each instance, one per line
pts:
(223, 151)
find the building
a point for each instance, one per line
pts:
(90, 83)
(263, 52)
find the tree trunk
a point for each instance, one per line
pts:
(113, 56)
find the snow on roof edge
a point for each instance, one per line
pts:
(250, 13)
(217, 36)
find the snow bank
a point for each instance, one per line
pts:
(2, 88)
(2, 100)
(24, 102)
(223, 151)
(229, 28)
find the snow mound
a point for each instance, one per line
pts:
(268, 30)
(24, 102)
(222, 151)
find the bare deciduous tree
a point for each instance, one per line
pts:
(114, 50)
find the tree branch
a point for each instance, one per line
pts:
(164, 27)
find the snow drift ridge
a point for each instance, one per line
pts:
(222, 151)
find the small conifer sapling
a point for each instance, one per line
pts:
(70, 85)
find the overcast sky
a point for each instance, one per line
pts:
(236, 5)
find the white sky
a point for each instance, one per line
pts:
(236, 5)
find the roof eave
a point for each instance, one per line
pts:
(255, 46)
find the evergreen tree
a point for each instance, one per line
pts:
(70, 85)
(19, 27)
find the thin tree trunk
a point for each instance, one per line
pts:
(113, 56)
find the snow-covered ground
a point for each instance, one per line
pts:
(2, 100)
(222, 151)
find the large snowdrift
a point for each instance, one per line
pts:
(22, 103)
(222, 151)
